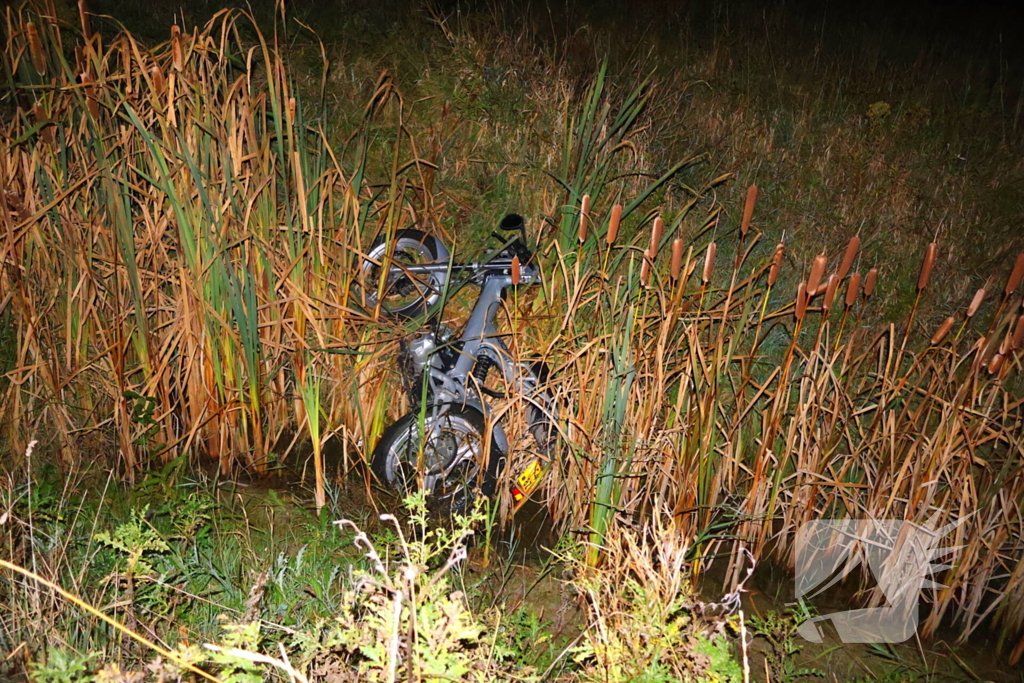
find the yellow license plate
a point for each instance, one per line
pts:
(530, 477)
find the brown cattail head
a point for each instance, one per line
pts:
(126, 65)
(773, 273)
(90, 95)
(830, 292)
(748, 210)
(159, 82)
(801, 301)
(817, 271)
(852, 290)
(1016, 275)
(613, 224)
(709, 263)
(516, 270)
(645, 271)
(943, 330)
(979, 296)
(870, 282)
(652, 246)
(177, 52)
(926, 266)
(36, 48)
(677, 257)
(995, 363)
(852, 247)
(584, 217)
(83, 16)
(1018, 334)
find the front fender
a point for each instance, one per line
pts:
(498, 437)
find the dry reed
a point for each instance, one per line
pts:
(200, 252)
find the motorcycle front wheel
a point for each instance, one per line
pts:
(444, 453)
(391, 283)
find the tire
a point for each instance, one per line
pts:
(456, 468)
(405, 295)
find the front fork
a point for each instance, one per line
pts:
(443, 388)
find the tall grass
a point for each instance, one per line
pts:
(758, 411)
(174, 230)
(178, 245)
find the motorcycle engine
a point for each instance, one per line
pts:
(427, 348)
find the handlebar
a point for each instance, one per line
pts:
(499, 263)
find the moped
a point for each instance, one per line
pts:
(449, 445)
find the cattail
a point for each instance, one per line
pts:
(943, 330)
(748, 210)
(852, 290)
(1018, 334)
(801, 301)
(1016, 275)
(90, 95)
(83, 16)
(817, 270)
(773, 272)
(645, 272)
(852, 247)
(709, 263)
(36, 47)
(516, 273)
(652, 247)
(178, 54)
(995, 363)
(584, 217)
(926, 266)
(159, 82)
(677, 257)
(126, 65)
(613, 224)
(870, 282)
(830, 292)
(979, 296)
